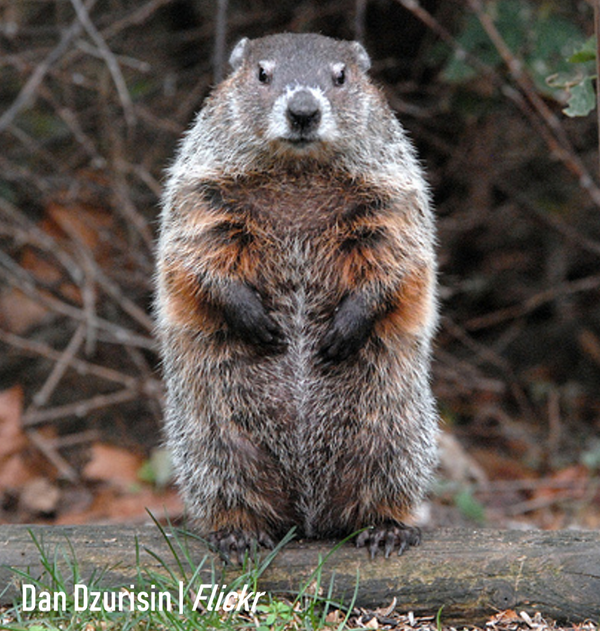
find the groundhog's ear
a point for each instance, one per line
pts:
(238, 53)
(362, 56)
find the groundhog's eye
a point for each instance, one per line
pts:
(264, 76)
(339, 74)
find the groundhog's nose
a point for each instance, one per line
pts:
(303, 111)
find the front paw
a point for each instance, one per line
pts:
(247, 317)
(392, 535)
(349, 331)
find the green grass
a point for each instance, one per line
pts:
(308, 609)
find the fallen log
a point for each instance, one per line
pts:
(471, 573)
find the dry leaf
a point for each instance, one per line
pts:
(504, 617)
(372, 624)
(19, 312)
(12, 437)
(386, 611)
(14, 471)
(113, 464)
(334, 617)
(39, 497)
(112, 505)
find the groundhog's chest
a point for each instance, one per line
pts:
(304, 227)
(295, 204)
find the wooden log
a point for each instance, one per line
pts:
(471, 573)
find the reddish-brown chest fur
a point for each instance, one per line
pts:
(312, 221)
(304, 200)
(306, 229)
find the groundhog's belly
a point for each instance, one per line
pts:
(314, 407)
(303, 305)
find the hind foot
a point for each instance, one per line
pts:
(234, 541)
(392, 534)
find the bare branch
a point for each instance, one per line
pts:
(28, 91)
(522, 79)
(17, 277)
(80, 408)
(49, 450)
(360, 12)
(60, 367)
(590, 283)
(220, 40)
(110, 60)
(81, 366)
(551, 130)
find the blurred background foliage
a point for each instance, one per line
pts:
(499, 97)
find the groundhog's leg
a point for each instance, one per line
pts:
(385, 422)
(247, 510)
(233, 486)
(218, 400)
(395, 449)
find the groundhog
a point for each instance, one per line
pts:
(296, 304)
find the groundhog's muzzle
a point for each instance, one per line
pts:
(303, 114)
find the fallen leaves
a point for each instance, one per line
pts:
(116, 465)
(107, 489)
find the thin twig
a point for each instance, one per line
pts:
(360, 14)
(488, 355)
(109, 59)
(80, 408)
(138, 16)
(20, 279)
(28, 91)
(72, 440)
(113, 290)
(552, 131)
(60, 367)
(127, 208)
(49, 450)
(493, 487)
(458, 371)
(517, 70)
(220, 41)
(589, 283)
(569, 233)
(122, 60)
(25, 231)
(89, 297)
(81, 366)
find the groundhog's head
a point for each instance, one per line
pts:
(301, 92)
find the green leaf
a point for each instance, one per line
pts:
(158, 469)
(586, 52)
(469, 506)
(582, 99)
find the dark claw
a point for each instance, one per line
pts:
(235, 542)
(265, 541)
(362, 539)
(390, 540)
(376, 537)
(393, 534)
